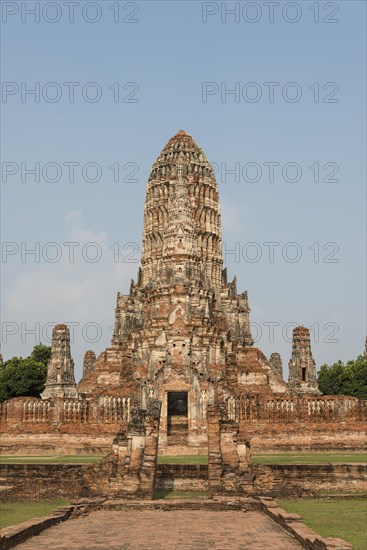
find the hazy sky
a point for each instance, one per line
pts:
(278, 108)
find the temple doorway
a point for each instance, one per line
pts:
(177, 418)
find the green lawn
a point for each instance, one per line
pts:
(52, 459)
(345, 519)
(183, 459)
(309, 458)
(167, 495)
(17, 512)
(281, 458)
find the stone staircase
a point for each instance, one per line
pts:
(178, 431)
(182, 477)
(244, 504)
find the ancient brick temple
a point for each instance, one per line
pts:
(182, 334)
(182, 375)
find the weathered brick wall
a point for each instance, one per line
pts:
(215, 466)
(62, 426)
(33, 482)
(55, 444)
(285, 480)
(182, 477)
(308, 437)
(31, 415)
(128, 470)
(134, 457)
(332, 409)
(65, 426)
(307, 423)
(281, 426)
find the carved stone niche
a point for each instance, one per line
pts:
(154, 408)
(137, 421)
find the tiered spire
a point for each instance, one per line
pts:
(182, 203)
(179, 234)
(89, 361)
(276, 363)
(302, 367)
(60, 369)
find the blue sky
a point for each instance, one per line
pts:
(161, 62)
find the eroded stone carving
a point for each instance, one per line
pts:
(89, 361)
(276, 363)
(154, 408)
(137, 420)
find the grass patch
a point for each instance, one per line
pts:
(309, 458)
(342, 518)
(12, 513)
(52, 459)
(167, 494)
(195, 459)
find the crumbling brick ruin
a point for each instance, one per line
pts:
(88, 362)
(276, 364)
(182, 338)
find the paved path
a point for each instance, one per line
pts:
(160, 530)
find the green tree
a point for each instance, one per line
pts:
(41, 353)
(25, 376)
(344, 379)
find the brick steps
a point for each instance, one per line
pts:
(177, 431)
(245, 504)
(182, 477)
(183, 450)
(177, 440)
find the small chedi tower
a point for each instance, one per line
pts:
(276, 362)
(302, 367)
(60, 370)
(89, 361)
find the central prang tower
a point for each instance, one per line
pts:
(182, 230)
(182, 334)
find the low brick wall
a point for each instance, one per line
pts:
(304, 534)
(55, 443)
(303, 437)
(33, 482)
(15, 534)
(182, 477)
(283, 480)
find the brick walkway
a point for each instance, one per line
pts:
(160, 530)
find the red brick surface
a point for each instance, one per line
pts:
(160, 530)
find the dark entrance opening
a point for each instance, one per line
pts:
(177, 403)
(303, 374)
(177, 418)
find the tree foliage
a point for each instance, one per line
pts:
(25, 376)
(344, 378)
(41, 353)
